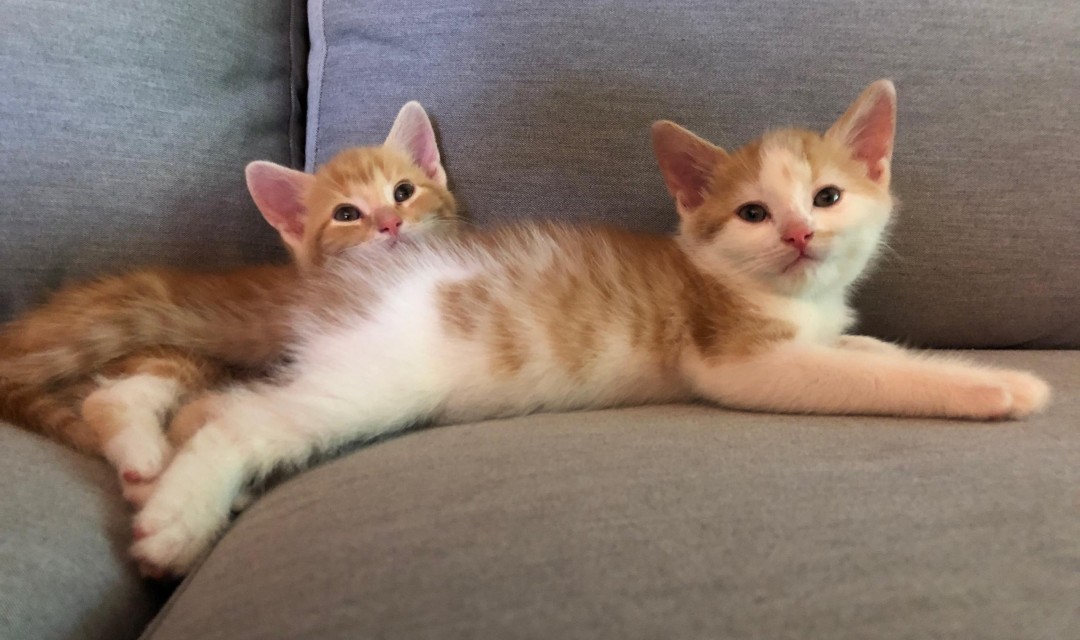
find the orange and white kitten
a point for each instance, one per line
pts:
(745, 307)
(171, 334)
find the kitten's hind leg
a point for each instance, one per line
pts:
(129, 408)
(127, 415)
(250, 432)
(796, 378)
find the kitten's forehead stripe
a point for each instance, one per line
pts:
(785, 175)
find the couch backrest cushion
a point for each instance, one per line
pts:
(124, 129)
(544, 110)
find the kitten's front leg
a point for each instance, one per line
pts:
(801, 378)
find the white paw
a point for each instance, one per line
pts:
(172, 532)
(128, 414)
(139, 451)
(1030, 394)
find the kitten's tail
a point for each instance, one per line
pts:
(52, 414)
(236, 317)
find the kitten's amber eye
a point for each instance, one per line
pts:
(403, 191)
(827, 197)
(752, 213)
(347, 213)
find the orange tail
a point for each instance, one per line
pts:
(236, 317)
(50, 413)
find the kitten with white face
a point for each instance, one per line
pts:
(745, 308)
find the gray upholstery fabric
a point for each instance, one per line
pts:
(544, 111)
(667, 522)
(64, 531)
(124, 129)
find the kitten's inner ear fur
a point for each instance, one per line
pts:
(279, 192)
(868, 128)
(412, 133)
(687, 163)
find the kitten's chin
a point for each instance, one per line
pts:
(801, 275)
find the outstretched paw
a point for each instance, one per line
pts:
(1030, 393)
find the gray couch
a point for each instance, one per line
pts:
(124, 126)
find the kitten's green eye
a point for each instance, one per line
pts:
(827, 197)
(753, 213)
(347, 213)
(403, 191)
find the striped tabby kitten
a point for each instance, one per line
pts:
(130, 349)
(745, 307)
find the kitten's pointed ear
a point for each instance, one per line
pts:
(278, 192)
(687, 163)
(412, 133)
(868, 129)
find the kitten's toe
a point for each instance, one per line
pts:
(1030, 393)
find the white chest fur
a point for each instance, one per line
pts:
(818, 320)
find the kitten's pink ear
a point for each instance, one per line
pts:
(278, 192)
(687, 163)
(412, 133)
(869, 127)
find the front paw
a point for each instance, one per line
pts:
(171, 536)
(1030, 394)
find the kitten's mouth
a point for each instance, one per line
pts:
(391, 241)
(801, 261)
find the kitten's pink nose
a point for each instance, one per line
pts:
(389, 223)
(798, 236)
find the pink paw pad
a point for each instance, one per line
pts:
(138, 532)
(131, 476)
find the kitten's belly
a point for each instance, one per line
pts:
(547, 386)
(498, 357)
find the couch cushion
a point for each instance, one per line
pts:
(124, 129)
(666, 522)
(64, 531)
(544, 111)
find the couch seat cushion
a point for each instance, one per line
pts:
(667, 522)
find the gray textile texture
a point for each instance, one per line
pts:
(544, 110)
(64, 531)
(667, 522)
(124, 129)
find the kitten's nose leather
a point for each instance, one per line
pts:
(389, 223)
(798, 236)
